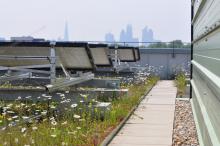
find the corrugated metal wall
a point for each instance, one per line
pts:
(206, 70)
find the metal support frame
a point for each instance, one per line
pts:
(15, 77)
(53, 65)
(24, 72)
(116, 59)
(20, 70)
(62, 83)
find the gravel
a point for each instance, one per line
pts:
(185, 133)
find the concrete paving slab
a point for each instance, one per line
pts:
(156, 107)
(166, 101)
(143, 130)
(142, 140)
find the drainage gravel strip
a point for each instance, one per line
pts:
(185, 133)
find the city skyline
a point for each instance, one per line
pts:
(126, 35)
(90, 20)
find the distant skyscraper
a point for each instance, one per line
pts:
(109, 37)
(66, 32)
(148, 36)
(127, 36)
(129, 33)
(122, 36)
(2, 39)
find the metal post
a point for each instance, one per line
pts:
(191, 66)
(116, 57)
(53, 64)
(173, 50)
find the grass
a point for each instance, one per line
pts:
(181, 83)
(75, 126)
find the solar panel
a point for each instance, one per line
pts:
(74, 55)
(71, 55)
(127, 54)
(100, 55)
(22, 51)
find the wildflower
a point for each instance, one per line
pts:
(73, 105)
(9, 119)
(74, 132)
(9, 105)
(17, 120)
(16, 140)
(81, 120)
(43, 95)
(5, 108)
(34, 128)
(32, 141)
(68, 100)
(14, 117)
(10, 125)
(84, 95)
(81, 89)
(44, 112)
(53, 135)
(22, 104)
(64, 123)
(54, 122)
(52, 118)
(63, 101)
(19, 98)
(52, 107)
(3, 128)
(78, 128)
(18, 106)
(47, 96)
(25, 117)
(62, 95)
(76, 116)
(23, 129)
(28, 97)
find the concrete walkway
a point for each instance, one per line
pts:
(152, 122)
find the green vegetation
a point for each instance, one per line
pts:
(181, 83)
(77, 125)
(173, 44)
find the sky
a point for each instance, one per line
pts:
(90, 20)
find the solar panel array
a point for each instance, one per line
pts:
(72, 55)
